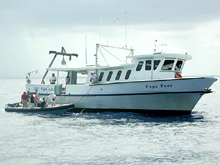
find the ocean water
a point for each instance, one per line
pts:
(108, 138)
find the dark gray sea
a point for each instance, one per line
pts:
(108, 138)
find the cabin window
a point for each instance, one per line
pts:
(156, 63)
(118, 75)
(167, 65)
(148, 65)
(109, 76)
(101, 76)
(178, 65)
(127, 74)
(139, 66)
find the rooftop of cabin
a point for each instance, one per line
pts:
(157, 56)
(163, 55)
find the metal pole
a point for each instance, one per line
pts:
(42, 81)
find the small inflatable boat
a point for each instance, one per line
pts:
(58, 109)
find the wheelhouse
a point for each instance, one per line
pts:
(142, 67)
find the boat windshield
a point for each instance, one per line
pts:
(167, 65)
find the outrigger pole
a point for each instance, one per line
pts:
(63, 53)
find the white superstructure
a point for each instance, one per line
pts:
(147, 83)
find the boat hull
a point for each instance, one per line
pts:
(50, 110)
(159, 96)
(144, 103)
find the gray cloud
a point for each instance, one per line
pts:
(59, 14)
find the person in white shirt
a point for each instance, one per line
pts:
(52, 97)
(53, 79)
(93, 78)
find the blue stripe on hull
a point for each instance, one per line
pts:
(125, 94)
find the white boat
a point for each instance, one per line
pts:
(147, 84)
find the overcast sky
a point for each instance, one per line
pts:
(29, 29)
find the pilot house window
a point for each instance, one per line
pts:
(156, 63)
(148, 65)
(167, 65)
(178, 65)
(139, 66)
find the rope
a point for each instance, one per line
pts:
(112, 54)
(84, 95)
(103, 56)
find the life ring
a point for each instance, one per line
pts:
(178, 75)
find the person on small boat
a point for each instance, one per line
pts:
(93, 78)
(36, 99)
(36, 93)
(53, 79)
(43, 103)
(32, 100)
(29, 95)
(24, 100)
(52, 97)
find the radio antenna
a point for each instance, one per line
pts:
(116, 33)
(125, 31)
(86, 49)
(162, 30)
(100, 24)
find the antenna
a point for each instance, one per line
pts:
(161, 30)
(132, 34)
(86, 49)
(125, 31)
(116, 33)
(100, 24)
